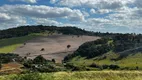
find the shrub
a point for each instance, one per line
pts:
(53, 60)
(113, 67)
(105, 66)
(39, 60)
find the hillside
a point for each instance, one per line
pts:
(119, 52)
(55, 46)
(12, 38)
(27, 30)
(10, 44)
(54, 49)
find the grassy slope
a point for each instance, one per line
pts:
(130, 61)
(86, 75)
(10, 44)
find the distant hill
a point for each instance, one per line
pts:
(113, 50)
(26, 30)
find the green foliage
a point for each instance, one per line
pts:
(26, 30)
(120, 43)
(9, 57)
(39, 60)
(92, 49)
(40, 64)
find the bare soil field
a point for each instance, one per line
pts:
(52, 47)
(11, 67)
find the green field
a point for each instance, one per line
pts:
(131, 61)
(85, 75)
(10, 44)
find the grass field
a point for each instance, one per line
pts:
(131, 61)
(86, 75)
(10, 44)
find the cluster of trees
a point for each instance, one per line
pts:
(126, 41)
(117, 43)
(112, 66)
(9, 57)
(40, 64)
(92, 49)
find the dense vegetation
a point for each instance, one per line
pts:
(10, 57)
(26, 30)
(119, 46)
(40, 64)
(116, 44)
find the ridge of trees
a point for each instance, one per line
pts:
(26, 30)
(68, 30)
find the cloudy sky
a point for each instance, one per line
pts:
(123, 16)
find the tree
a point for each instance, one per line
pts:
(68, 46)
(53, 60)
(42, 49)
(39, 60)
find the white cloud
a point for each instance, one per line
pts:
(92, 11)
(43, 12)
(14, 15)
(86, 14)
(101, 4)
(7, 21)
(103, 11)
(53, 1)
(75, 13)
(28, 1)
(43, 21)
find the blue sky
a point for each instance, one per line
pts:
(118, 16)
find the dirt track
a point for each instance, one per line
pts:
(55, 46)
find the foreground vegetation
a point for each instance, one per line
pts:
(86, 75)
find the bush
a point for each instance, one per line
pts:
(105, 66)
(114, 67)
(94, 65)
(53, 60)
(39, 60)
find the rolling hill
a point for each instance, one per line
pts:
(55, 46)
(120, 52)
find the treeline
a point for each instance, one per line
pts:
(69, 30)
(117, 43)
(25, 30)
